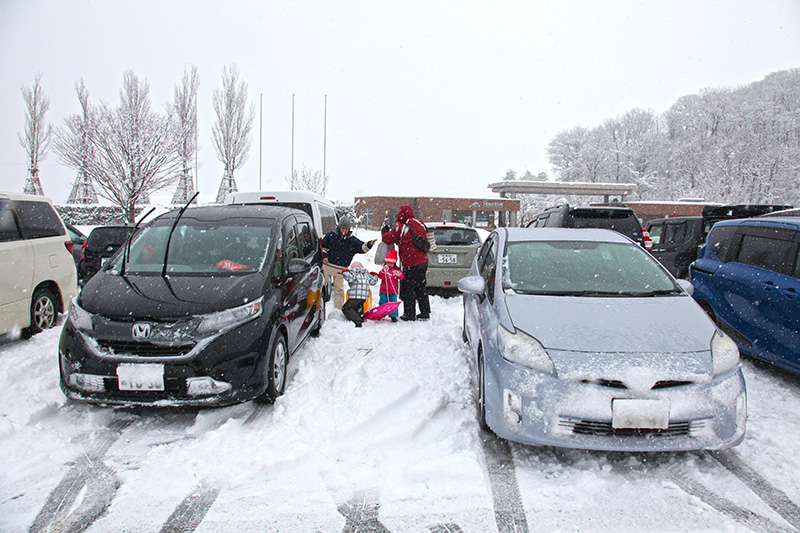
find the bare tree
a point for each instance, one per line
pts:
(74, 146)
(231, 131)
(185, 110)
(37, 135)
(308, 181)
(134, 148)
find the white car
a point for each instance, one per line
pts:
(38, 271)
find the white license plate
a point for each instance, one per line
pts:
(140, 377)
(640, 414)
(447, 259)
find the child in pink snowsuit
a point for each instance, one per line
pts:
(390, 277)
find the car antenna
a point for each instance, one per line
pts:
(130, 237)
(171, 231)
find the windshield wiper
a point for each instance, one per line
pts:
(659, 292)
(126, 252)
(172, 230)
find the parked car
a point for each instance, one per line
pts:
(747, 279)
(101, 245)
(554, 321)
(205, 308)
(38, 274)
(451, 257)
(677, 240)
(621, 219)
(795, 212)
(78, 240)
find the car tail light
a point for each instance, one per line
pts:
(70, 246)
(83, 252)
(648, 242)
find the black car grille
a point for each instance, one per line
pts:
(616, 384)
(144, 349)
(605, 429)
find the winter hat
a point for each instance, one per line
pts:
(356, 264)
(344, 222)
(391, 256)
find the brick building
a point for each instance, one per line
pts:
(486, 213)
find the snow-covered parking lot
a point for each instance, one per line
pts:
(377, 431)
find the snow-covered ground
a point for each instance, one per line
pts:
(377, 431)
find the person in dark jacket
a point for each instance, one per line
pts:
(339, 247)
(413, 288)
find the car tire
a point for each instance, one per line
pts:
(321, 315)
(44, 312)
(275, 369)
(481, 393)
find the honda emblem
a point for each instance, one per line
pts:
(141, 330)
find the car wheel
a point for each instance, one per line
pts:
(44, 312)
(321, 314)
(275, 370)
(481, 394)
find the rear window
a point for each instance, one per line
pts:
(8, 226)
(456, 236)
(38, 220)
(624, 222)
(108, 236)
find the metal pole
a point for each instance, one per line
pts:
(292, 175)
(325, 140)
(260, 134)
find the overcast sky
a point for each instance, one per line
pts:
(423, 97)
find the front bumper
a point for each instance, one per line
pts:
(533, 408)
(220, 370)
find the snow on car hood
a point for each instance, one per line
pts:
(115, 296)
(660, 324)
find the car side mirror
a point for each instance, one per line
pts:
(299, 266)
(687, 286)
(472, 285)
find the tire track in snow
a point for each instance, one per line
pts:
(771, 495)
(192, 510)
(86, 491)
(724, 506)
(509, 512)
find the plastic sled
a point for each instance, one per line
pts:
(383, 310)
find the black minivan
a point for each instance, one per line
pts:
(203, 307)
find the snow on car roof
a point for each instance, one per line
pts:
(566, 234)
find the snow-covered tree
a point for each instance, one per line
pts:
(134, 148)
(231, 131)
(73, 143)
(36, 137)
(307, 180)
(185, 112)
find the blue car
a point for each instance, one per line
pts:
(746, 278)
(559, 324)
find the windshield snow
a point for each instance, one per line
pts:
(583, 269)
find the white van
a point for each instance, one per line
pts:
(319, 208)
(38, 278)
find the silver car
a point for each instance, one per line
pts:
(450, 259)
(560, 328)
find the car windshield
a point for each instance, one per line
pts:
(200, 247)
(579, 268)
(620, 221)
(455, 236)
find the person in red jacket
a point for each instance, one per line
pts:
(413, 288)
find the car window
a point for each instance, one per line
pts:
(772, 254)
(674, 233)
(290, 248)
(576, 267)
(456, 236)
(200, 247)
(619, 221)
(328, 216)
(655, 233)
(718, 240)
(488, 266)
(109, 236)
(796, 272)
(305, 240)
(38, 220)
(9, 231)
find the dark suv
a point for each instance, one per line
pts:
(101, 245)
(747, 278)
(620, 219)
(206, 307)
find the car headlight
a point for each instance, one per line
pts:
(724, 353)
(230, 318)
(80, 318)
(519, 347)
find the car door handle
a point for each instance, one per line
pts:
(769, 285)
(791, 293)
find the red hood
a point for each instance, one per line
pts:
(404, 214)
